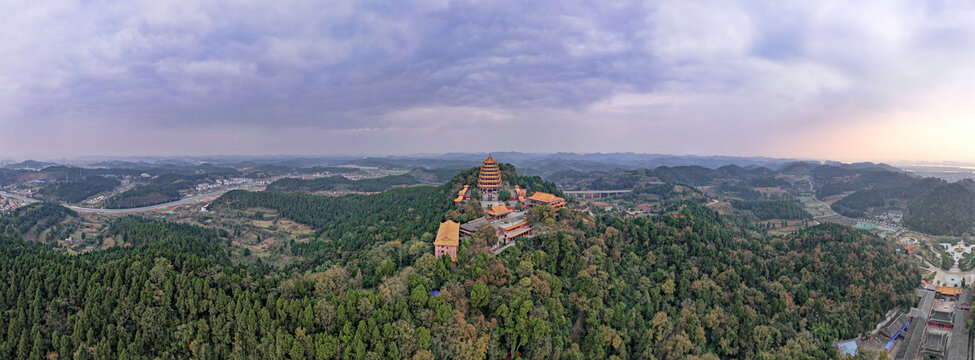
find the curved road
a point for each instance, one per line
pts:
(184, 201)
(25, 199)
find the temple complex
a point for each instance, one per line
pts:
(507, 216)
(489, 178)
(540, 198)
(448, 239)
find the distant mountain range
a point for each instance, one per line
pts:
(547, 164)
(527, 163)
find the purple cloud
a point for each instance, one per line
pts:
(365, 77)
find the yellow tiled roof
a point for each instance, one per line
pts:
(519, 191)
(449, 234)
(498, 210)
(949, 290)
(545, 197)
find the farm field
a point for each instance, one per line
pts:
(815, 207)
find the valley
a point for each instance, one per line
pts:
(378, 231)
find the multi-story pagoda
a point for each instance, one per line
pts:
(489, 179)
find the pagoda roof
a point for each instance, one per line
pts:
(498, 210)
(490, 160)
(448, 234)
(544, 197)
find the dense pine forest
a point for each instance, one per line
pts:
(687, 284)
(78, 190)
(947, 209)
(773, 209)
(161, 189)
(354, 227)
(28, 221)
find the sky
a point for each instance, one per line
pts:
(877, 80)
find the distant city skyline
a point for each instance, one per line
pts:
(882, 81)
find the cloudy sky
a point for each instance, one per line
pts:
(846, 80)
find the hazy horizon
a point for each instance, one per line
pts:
(202, 157)
(880, 81)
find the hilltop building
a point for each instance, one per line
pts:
(506, 222)
(896, 327)
(935, 345)
(489, 178)
(448, 239)
(463, 194)
(540, 198)
(513, 228)
(498, 212)
(468, 229)
(942, 319)
(520, 195)
(949, 292)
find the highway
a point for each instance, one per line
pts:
(25, 199)
(592, 194)
(184, 201)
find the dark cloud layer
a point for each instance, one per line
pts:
(148, 77)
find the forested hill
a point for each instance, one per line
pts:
(28, 221)
(163, 188)
(349, 226)
(79, 189)
(354, 228)
(947, 209)
(773, 209)
(677, 286)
